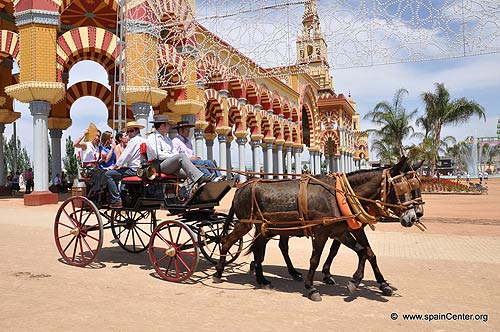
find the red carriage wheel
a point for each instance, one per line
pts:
(78, 231)
(173, 250)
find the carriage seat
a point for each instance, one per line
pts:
(136, 179)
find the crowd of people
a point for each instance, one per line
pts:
(123, 156)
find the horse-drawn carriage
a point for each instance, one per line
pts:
(174, 245)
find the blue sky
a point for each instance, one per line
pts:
(345, 27)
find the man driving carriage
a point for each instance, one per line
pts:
(182, 144)
(161, 151)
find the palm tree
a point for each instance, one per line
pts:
(394, 121)
(440, 110)
(385, 149)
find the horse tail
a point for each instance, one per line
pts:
(229, 220)
(250, 248)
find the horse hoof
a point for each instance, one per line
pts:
(297, 277)
(329, 280)
(265, 286)
(216, 280)
(386, 289)
(252, 267)
(351, 287)
(315, 296)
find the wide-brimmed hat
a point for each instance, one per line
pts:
(160, 118)
(183, 124)
(92, 132)
(133, 124)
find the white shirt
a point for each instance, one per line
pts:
(131, 156)
(160, 147)
(90, 154)
(183, 145)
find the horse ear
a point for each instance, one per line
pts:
(418, 165)
(400, 166)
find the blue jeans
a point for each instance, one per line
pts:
(207, 163)
(114, 176)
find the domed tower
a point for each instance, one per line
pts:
(312, 51)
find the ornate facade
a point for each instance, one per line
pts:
(276, 117)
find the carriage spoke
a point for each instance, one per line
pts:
(70, 242)
(139, 237)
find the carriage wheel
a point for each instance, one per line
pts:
(78, 231)
(132, 229)
(173, 250)
(210, 235)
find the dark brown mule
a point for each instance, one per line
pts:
(361, 247)
(278, 204)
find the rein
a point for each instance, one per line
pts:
(399, 183)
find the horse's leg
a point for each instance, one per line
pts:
(259, 251)
(361, 237)
(327, 276)
(240, 229)
(318, 243)
(283, 244)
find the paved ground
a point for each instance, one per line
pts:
(453, 268)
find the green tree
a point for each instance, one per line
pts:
(70, 162)
(441, 110)
(394, 123)
(23, 160)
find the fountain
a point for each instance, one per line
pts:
(475, 155)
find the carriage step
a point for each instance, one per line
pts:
(115, 241)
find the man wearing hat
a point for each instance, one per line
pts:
(128, 163)
(160, 149)
(182, 144)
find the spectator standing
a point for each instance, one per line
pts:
(28, 176)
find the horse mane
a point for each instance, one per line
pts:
(363, 175)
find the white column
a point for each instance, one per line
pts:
(222, 152)
(269, 152)
(275, 160)
(2, 170)
(337, 165)
(264, 159)
(241, 156)
(279, 153)
(198, 139)
(229, 163)
(318, 163)
(289, 160)
(40, 111)
(298, 161)
(55, 140)
(210, 149)
(256, 155)
(141, 115)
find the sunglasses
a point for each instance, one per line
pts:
(131, 130)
